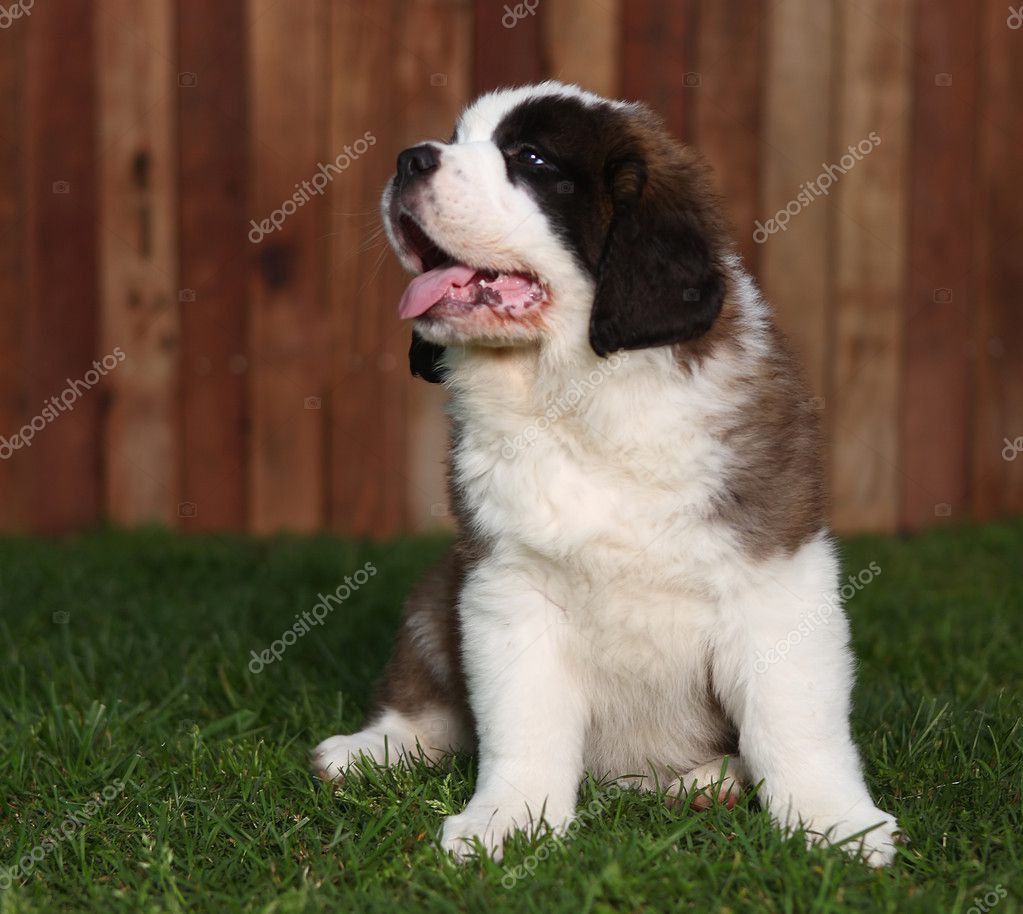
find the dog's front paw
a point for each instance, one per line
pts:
(491, 822)
(868, 832)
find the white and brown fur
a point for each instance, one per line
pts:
(613, 582)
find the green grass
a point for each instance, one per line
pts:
(144, 683)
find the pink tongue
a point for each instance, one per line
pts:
(428, 288)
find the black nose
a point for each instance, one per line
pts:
(416, 162)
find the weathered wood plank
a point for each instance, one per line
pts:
(214, 254)
(997, 464)
(870, 253)
(137, 82)
(659, 63)
(440, 36)
(794, 263)
(62, 333)
(289, 78)
(582, 43)
(15, 463)
(388, 438)
(507, 47)
(727, 109)
(939, 322)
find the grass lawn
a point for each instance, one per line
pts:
(124, 674)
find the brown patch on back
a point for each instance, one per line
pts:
(775, 497)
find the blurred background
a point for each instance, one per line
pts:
(198, 312)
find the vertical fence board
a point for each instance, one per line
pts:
(998, 476)
(439, 36)
(369, 384)
(288, 75)
(869, 261)
(508, 50)
(15, 464)
(794, 264)
(60, 157)
(658, 49)
(581, 41)
(137, 79)
(937, 368)
(214, 258)
(388, 436)
(727, 109)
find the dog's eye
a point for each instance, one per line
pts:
(529, 156)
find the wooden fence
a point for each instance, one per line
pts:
(257, 379)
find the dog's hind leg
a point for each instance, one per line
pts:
(421, 706)
(719, 781)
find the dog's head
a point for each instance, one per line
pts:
(554, 216)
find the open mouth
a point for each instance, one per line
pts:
(452, 287)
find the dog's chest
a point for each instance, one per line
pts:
(605, 493)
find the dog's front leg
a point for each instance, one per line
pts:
(784, 670)
(529, 713)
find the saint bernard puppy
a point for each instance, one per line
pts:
(643, 586)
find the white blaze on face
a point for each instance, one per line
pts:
(478, 216)
(500, 273)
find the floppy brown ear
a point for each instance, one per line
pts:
(659, 279)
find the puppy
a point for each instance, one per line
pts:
(643, 586)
